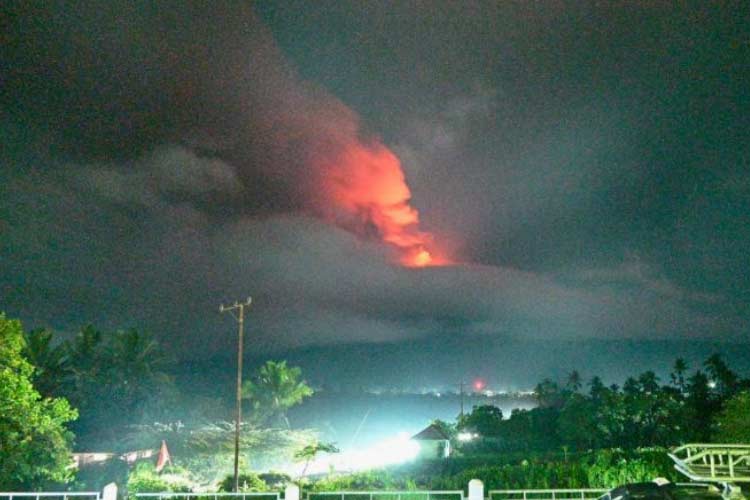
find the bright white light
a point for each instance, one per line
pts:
(395, 450)
(712, 385)
(465, 436)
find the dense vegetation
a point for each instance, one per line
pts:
(641, 413)
(120, 384)
(114, 379)
(597, 438)
(596, 469)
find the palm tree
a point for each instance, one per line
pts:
(678, 374)
(648, 382)
(274, 389)
(724, 378)
(118, 377)
(138, 370)
(138, 354)
(596, 388)
(574, 381)
(51, 365)
(85, 351)
(547, 393)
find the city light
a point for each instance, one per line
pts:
(466, 436)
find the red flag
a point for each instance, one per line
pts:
(163, 458)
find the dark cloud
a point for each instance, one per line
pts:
(127, 252)
(157, 162)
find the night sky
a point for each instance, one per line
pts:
(580, 170)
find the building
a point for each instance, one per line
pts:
(86, 459)
(433, 443)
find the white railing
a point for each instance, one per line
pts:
(713, 462)
(554, 494)
(386, 495)
(168, 495)
(51, 495)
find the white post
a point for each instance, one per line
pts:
(291, 492)
(476, 490)
(110, 492)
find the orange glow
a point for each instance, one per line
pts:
(365, 186)
(423, 258)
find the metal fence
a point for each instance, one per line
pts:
(559, 494)
(385, 495)
(51, 495)
(167, 495)
(713, 462)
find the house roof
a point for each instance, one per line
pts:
(430, 433)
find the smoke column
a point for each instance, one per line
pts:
(210, 76)
(313, 142)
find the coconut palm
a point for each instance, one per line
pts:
(51, 365)
(678, 374)
(138, 372)
(574, 381)
(275, 388)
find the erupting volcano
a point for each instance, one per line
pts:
(302, 137)
(366, 187)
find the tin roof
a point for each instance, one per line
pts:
(430, 433)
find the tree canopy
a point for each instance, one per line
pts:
(733, 422)
(114, 379)
(35, 446)
(642, 413)
(485, 420)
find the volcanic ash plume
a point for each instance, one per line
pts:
(311, 140)
(304, 146)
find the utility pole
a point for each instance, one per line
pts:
(240, 317)
(462, 400)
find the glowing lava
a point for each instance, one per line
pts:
(422, 258)
(369, 194)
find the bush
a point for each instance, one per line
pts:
(601, 469)
(370, 480)
(275, 480)
(144, 479)
(248, 482)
